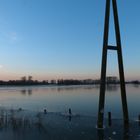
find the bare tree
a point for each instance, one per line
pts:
(30, 78)
(23, 78)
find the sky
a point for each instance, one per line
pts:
(51, 39)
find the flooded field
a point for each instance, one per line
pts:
(41, 112)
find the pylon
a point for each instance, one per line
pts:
(117, 48)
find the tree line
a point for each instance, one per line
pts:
(29, 81)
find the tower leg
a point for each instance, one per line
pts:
(120, 64)
(103, 69)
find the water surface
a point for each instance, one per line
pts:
(82, 100)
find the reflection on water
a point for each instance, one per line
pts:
(23, 91)
(68, 88)
(136, 85)
(26, 91)
(83, 87)
(81, 99)
(112, 87)
(74, 88)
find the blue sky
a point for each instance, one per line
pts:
(52, 39)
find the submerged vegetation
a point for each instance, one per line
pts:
(25, 124)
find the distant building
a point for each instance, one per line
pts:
(88, 81)
(111, 80)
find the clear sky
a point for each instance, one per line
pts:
(63, 38)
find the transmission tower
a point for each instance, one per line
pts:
(117, 48)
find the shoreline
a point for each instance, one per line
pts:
(54, 85)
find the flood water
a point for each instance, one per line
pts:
(82, 100)
(22, 116)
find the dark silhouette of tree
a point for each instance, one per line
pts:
(30, 78)
(23, 78)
